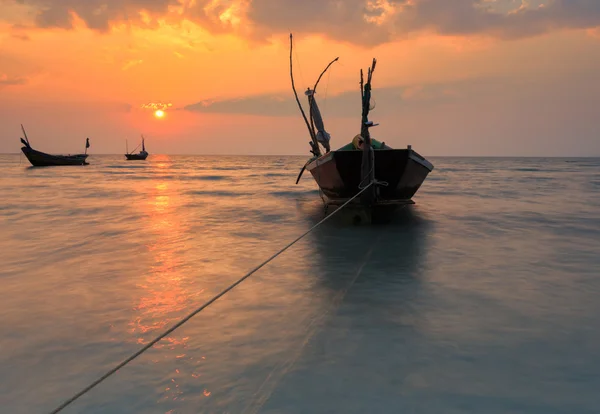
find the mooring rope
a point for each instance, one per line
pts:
(274, 378)
(195, 312)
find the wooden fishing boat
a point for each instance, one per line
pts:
(41, 159)
(398, 172)
(386, 176)
(141, 156)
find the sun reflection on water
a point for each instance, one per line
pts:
(164, 292)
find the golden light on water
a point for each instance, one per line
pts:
(164, 292)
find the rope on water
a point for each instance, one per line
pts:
(274, 378)
(195, 312)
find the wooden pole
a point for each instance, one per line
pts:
(368, 158)
(24, 133)
(315, 146)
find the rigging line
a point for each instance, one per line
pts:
(195, 312)
(135, 149)
(287, 365)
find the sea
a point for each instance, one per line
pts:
(482, 297)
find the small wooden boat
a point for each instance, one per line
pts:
(41, 159)
(142, 155)
(392, 176)
(399, 174)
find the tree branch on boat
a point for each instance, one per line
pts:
(314, 144)
(368, 157)
(366, 102)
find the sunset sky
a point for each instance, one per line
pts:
(454, 77)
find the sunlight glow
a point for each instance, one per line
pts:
(159, 113)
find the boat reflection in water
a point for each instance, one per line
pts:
(368, 284)
(383, 260)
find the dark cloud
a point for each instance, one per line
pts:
(387, 100)
(487, 116)
(341, 20)
(267, 105)
(356, 21)
(366, 22)
(97, 14)
(469, 17)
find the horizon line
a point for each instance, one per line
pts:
(304, 155)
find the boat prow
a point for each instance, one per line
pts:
(399, 174)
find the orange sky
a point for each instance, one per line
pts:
(454, 77)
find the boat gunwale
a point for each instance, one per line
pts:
(412, 154)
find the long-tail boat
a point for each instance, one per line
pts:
(142, 155)
(41, 159)
(392, 176)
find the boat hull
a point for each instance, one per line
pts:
(137, 157)
(338, 174)
(41, 159)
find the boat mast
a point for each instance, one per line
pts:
(366, 103)
(143, 147)
(126, 146)
(368, 158)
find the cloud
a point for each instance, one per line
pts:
(366, 22)
(484, 116)
(21, 36)
(18, 31)
(131, 63)
(153, 106)
(378, 21)
(6, 80)
(98, 14)
(347, 104)
(267, 105)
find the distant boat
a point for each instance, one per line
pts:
(41, 159)
(142, 155)
(392, 175)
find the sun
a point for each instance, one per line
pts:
(159, 113)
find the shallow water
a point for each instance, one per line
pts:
(483, 297)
